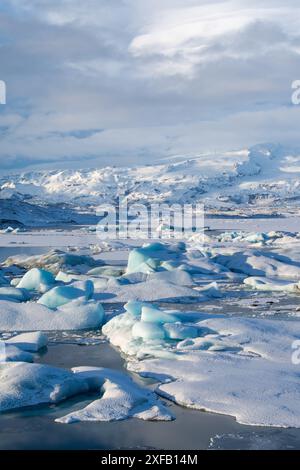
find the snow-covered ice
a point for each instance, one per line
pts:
(37, 279)
(23, 384)
(30, 316)
(276, 285)
(236, 366)
(121, 399)
(32, 342)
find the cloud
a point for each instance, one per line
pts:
(111, 81)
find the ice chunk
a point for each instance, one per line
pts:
(23, 384)
(10, 353)
(66, 277)
(139, 260)
(61, 295)
(121, 399)
(267, 284)
(151, 314)
(258, 263)
(54, 261)
(149, 291)
(31, 342)
(177, 276)
(148, 330)
(179, 331)
(76, 315)
(3, 280)
(135, 308)
(211, 290)
(90, 313)
(13, 294)
(114, 271)
(37, 279)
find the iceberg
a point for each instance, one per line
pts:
(178, 331)
(149, 257)
(76, 315)
(155, 315)
(37, 279)
(135, 308)
(61, 295)
(148, 330)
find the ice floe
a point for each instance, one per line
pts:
(121, 398)
(236, 366)
(31, 342)
(76, 315)
(23, 384)
(257, 263)
(276, 285)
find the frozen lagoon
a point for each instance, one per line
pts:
(201, 429)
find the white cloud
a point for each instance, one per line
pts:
(133, 79)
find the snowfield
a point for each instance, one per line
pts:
(251, 181)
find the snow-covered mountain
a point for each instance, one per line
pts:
(263, 177)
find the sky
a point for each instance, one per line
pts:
(123, 82)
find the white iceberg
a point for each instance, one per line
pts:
(149, 291)
(76, 315)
